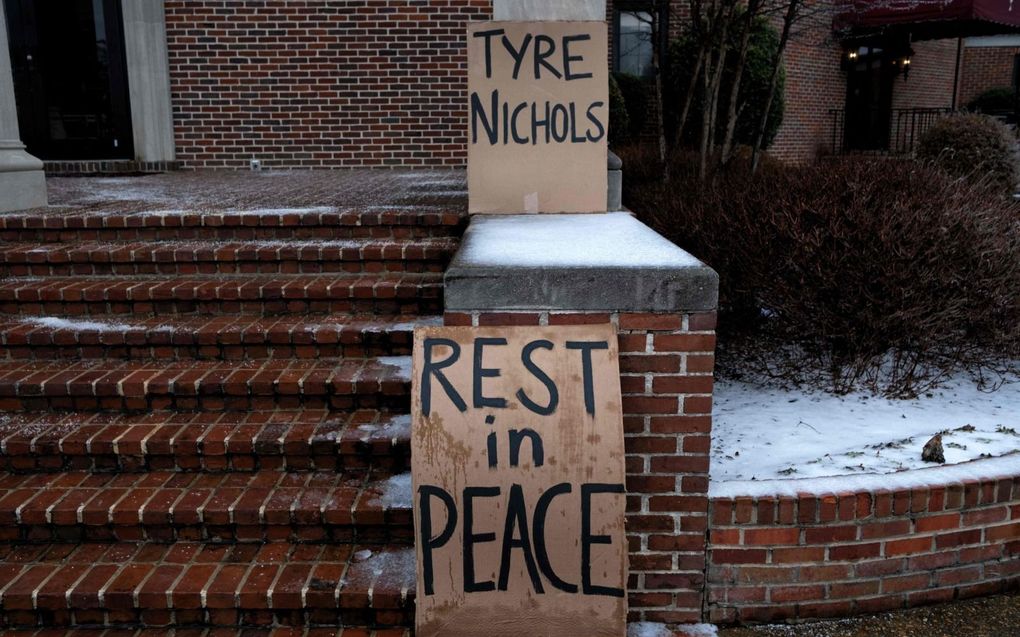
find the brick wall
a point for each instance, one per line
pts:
(773, 559)
(929, 84)
(666, 365)
(815, 84)
(985, 68)
(320, 82)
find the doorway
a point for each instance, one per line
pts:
(70, 78)
(869, 84)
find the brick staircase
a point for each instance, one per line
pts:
(204, 418)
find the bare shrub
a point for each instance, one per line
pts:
(973, 146)
(883, 274)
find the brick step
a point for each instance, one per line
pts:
(389, 293)
(297, 440)
(200, 337)
(300, 223)
(138, 386)
(168, 506)
(193, 584)
(247, 631)
(226, 257)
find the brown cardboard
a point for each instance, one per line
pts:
(450, 455)
(564, 171)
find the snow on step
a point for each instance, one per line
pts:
(194, 251)
(207, 385)
(203, 337)
(306, 506)
(391, 293)
(275, 578)
(240, 441)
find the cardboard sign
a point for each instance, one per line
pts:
(538, 117)
(518, 475)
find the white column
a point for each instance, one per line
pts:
(22, 181)
(148, 71)
(527, 10)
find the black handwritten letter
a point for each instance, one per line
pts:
(568, 59)
(432, 368)
(488, 35)
(537, 372)
(471, 538)
(428, 544)
(586, 348)
(587, 539)
(480, 372)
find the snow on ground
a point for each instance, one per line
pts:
(651, 629)
(762, 433)
(935, 475)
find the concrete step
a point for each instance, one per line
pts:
(194, 584)
(264, 295)
(290, 440)
(189, 257)
(143, 386)
(322, 223)
(167, 506)
(207, 338)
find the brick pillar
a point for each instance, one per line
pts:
(664, 312)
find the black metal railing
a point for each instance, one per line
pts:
(893, 131)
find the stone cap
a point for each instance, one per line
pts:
(529, 10)
(575, 262)
(614, 163)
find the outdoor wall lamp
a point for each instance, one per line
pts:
(902, 65)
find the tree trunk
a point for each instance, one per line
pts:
(777, 64)
(750, 13)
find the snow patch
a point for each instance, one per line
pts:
(279, 212)
(651, 629)
(761, 433)
(648, 629)
(431, 321)
(393, 566)
(698, 630)
(614, 239)
(395, 492)
(397, 428)
(57, 323)
(402, 363)
(987, 469)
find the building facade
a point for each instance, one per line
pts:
(382, 83)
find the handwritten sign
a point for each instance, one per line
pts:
(518, 474)
(538, 117)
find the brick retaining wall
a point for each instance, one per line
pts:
(781, 558)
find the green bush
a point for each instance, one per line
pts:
(754, 86)
(995, 100)
(880, 274)
(619, 116)
(972, 145)
(636, 92)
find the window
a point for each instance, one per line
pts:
(634, 44)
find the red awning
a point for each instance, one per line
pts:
(929, 19)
